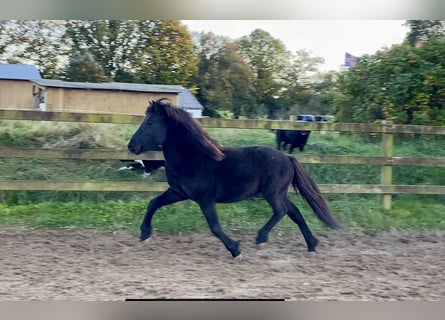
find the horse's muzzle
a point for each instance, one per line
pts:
(133, 149)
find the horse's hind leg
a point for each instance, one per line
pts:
(168, 197)
(279, 211)
(209, 211)
(297, 217)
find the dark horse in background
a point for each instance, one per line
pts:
(293, 138)
(197, 167)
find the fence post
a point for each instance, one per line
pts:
(386, 172)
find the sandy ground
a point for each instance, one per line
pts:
(96, 265)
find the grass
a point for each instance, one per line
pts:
(249, 215)
(124, 210)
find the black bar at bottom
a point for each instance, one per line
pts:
(205, 299)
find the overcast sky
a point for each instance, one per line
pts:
(329, 39)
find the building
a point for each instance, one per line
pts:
(110, 97)
(188, 101)
(23, 88)
(16, 90)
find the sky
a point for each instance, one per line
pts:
(329, 39)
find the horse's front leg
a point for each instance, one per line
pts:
(167, 197)
(209, 211)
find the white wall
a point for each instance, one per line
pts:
(196, 113)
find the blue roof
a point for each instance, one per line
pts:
(188, 100)
(19, 72)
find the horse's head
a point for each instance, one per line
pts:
(152, 132)
(163, 120)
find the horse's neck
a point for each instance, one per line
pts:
(179, 153)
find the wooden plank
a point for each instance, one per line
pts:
(381, 189)
(418, 161)
(121, 118)
(161, 186)
(36, 115)
(99, 154)
(386, 170)
(288, 125)
(95, 154)
(82, 186)
(320, 126)
(372, 160)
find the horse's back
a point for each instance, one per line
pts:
(248, 171)
(258, 156)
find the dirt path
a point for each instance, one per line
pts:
(100, 265)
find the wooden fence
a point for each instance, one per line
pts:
(386, 160)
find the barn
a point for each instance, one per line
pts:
(110, 97)
(22, 87)
(16, 90)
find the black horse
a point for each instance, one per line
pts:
(295, 138)
(200, 169)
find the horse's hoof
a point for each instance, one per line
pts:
(261, 246)
(145, 237)
(145, 233)
(313, 245)
(238, 258)
(310, 254)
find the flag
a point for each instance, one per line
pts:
(350, 60)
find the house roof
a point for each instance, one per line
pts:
(119, 86)
(188, 100)
(19, 72)
(185, 97)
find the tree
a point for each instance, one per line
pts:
(254, 76)
(37, 42)
(422, 30)
(326, 93)
(226, 81)
(110, 42)
(148, 51)
(3, 34)
(83, 68)
(168, 55)
(298, 82)
(404, 84)
(268, 57)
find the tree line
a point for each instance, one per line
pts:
(253, 76)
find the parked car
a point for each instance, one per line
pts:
(305, 117)
(323, 118)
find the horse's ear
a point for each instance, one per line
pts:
(164, 101)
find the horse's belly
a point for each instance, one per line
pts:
(236, 191)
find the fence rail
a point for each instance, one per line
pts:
(387, 161)
(122, 118)
(161, 186)
(106, 154)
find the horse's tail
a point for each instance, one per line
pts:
(303, 183)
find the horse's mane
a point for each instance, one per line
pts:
(197, 136)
